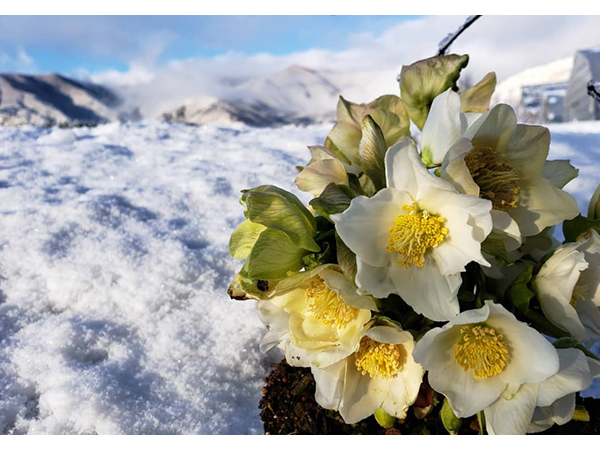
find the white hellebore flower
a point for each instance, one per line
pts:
(444, 126)
(414, 237)
(476, 356)
(568, 288)
(317, 317)
(382, 373)
(506, 163)
(534, 407)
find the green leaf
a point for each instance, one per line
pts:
(354, 185)
(519, 293)
(573, 229)
(384, 419)
(424, 80)
(281, 210)
(477, 98)
(346, 258)
(594, 207)
(451, 423)
(334, 199)
(313, 260)
(566, 342)
(371, 150)
(497, 249)
(274, 256)
(243, 238)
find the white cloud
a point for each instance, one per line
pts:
(19, 62)
(495, 43)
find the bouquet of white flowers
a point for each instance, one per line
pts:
(430, 259)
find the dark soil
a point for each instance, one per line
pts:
(288, 407)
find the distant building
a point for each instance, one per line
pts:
(542, 103)
(578, 105)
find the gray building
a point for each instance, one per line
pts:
(578, 105)
(543, 103)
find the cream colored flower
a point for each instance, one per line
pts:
(382, 373)
(505, 163)
(568, 288)
(476, 356)
(317, 317)
(414, 237)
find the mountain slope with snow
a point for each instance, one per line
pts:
(52, 99)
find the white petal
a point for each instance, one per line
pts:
(455, 170)
(559, 172)
(330, 384)
(364, 226)
(542, 205)
(442, 128)
(277, 321)
(532, 358)
(404, 388)
(573, 376)
(494, 129)
(560, 412)
(507, 228)
(512, 416)
(591, 277)
(375, 280)
(389, 334)
(406, 172)
(427, 291)
(337, 282)
(362, 395)
(528, 149)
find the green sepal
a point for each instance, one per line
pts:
(346, 258)
(384, 419)
(573, 229)
(334, 199)
(477, 98)
(371, 151)
(326, 256)
(278, 209)
(518, 293)
(497, 249)
(274, 256)
(424, 80)
(451, 423)
(566, 342)
(243, 238)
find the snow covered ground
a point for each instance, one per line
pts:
(114, 316)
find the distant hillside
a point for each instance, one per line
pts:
(46, 100)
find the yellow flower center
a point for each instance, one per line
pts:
(482, 350)
(578, 294)
(379, 360)
(415, 233)
(327, 307)
(496, 177)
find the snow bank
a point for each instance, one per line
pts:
(114, 316)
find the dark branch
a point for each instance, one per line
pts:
(593, 88)
(448, 40)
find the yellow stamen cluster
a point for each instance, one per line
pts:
(327, 307)
(379, 360)
(496, 177)
(578, 294)
(415, 233)
(482, 350)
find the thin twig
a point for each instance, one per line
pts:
(592, 88)
(448, 40)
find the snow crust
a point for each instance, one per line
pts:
(114, 316)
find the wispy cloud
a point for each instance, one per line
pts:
(18, 61)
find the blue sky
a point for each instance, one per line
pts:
(67, 44)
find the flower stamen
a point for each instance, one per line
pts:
(496, 177)
(327, 307)
(379, 360)
(482, 350)
(413, 234)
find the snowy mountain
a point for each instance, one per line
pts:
(45, 100)
(292, 95)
